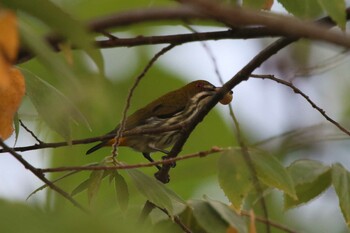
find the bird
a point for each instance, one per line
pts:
(174, 107)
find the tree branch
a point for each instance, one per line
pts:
(131, 92)
(200, 154)
(290, 27)
(306, 97)
(286, 25)
(40, 175)
(242, 75)
(44, 145)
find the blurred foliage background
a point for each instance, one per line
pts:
(263, 108)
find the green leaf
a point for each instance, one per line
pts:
(302, 8)
(81, 187)
(234, 177)
(55, 109)
(207, 217)
(53, 182)
(44, 53)
(272, 173)
(122, 191)
(155, 191)
(231, 217)
(336, 10)
(311, 178)
(94, 184)
(60, 22)
(341, 183)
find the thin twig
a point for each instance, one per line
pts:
(238, 133)
(306, 97)
(267, 221)
(133, 166)
(235, 33)
(30, 132)
(40, 175)
(146, 210)
(177, 220)
(249, 162)
(44, 145)
(130, 94)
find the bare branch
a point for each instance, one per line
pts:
(272, 223)
(133, 166)
(30, 132)
(131, 91)
(96, 139)
(306, 97)
(40, 175)
(290, 26)
(286, 25)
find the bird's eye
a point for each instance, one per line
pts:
(199, 85)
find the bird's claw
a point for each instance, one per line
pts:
(158, 175)
(172, 164)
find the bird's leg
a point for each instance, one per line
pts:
(172, 164)
(165, 157)
(149, 158)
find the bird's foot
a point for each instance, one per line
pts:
(161, 177)
(172, 164)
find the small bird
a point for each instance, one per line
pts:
(174, 107)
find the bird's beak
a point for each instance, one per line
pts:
(227, 98)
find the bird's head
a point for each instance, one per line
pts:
(201, 89)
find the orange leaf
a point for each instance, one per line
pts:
(267, 5)
(252, 227)
(12, 88)
(231, 230)
(8, 35)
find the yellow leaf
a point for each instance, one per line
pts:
(8, 35)
(12, 89)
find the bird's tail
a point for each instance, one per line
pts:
(95, 148)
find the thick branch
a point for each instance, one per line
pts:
(277, 26)
(242, 75)
(287, 26)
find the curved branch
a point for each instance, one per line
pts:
(286, 25)
(144, 15)
(306, 97)
(290, 26)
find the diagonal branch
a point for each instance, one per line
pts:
(242, 75)
(306, 97)
(40, 175)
